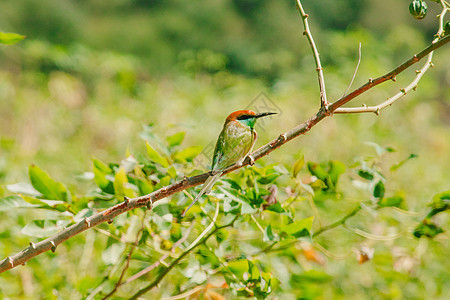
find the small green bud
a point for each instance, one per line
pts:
(418, 9)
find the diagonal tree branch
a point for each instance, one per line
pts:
(128, 204)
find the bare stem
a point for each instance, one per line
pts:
(319, 69)
(337, 223)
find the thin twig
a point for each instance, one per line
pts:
(165, 256)
(211, 225)
(337, 223)
(323, 94)
(372, 236)
(356, 71)
(127, 263)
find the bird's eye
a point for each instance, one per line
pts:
(245, 117)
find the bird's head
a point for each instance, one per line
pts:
(246, 117)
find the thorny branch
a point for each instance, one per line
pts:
(412, 86)
(128, 204)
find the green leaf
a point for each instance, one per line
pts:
(47, 204)
(188, 154)
(239, 267)
(298, 165)
(378, 191)
(336, 169)
(316, 170)
(165, 181)
(268, 179)
(247, 209)
(10, 38)
(365, 174)
(391, 201)
(427, 229)
(121, 184)
(268, 283)
(299, 228)
(176, 139)
(98, 164)
(144, 187)
(441, 202)
(13, 202)
(276, 208)
(172, 172)
(155, 157)
(268, 234)
(44, 228)
(101, 172)
(49, 188)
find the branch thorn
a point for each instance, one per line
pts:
(403, 91)
(53, 246)
(150, 203)
(32, 245)
(377, 112)
(394, 79)
(87, 221)
(415, 87)
(370, 80)
(110, 221)
(418, 71)
(431, 65)
(126, 199)
(252, 160)
(11, 261)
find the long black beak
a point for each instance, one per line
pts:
(260, 115)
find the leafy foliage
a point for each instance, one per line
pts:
(249, 196)
(283, 230)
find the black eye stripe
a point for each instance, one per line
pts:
(245, 117)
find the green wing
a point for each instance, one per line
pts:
(234, 142)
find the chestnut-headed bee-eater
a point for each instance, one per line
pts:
(235, 142)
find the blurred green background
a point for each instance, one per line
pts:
(91, 73)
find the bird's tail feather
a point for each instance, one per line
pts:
(207, 186)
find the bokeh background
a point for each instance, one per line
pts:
(91, 74)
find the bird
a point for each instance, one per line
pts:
(235, 142)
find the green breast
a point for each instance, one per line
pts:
(234, 142)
